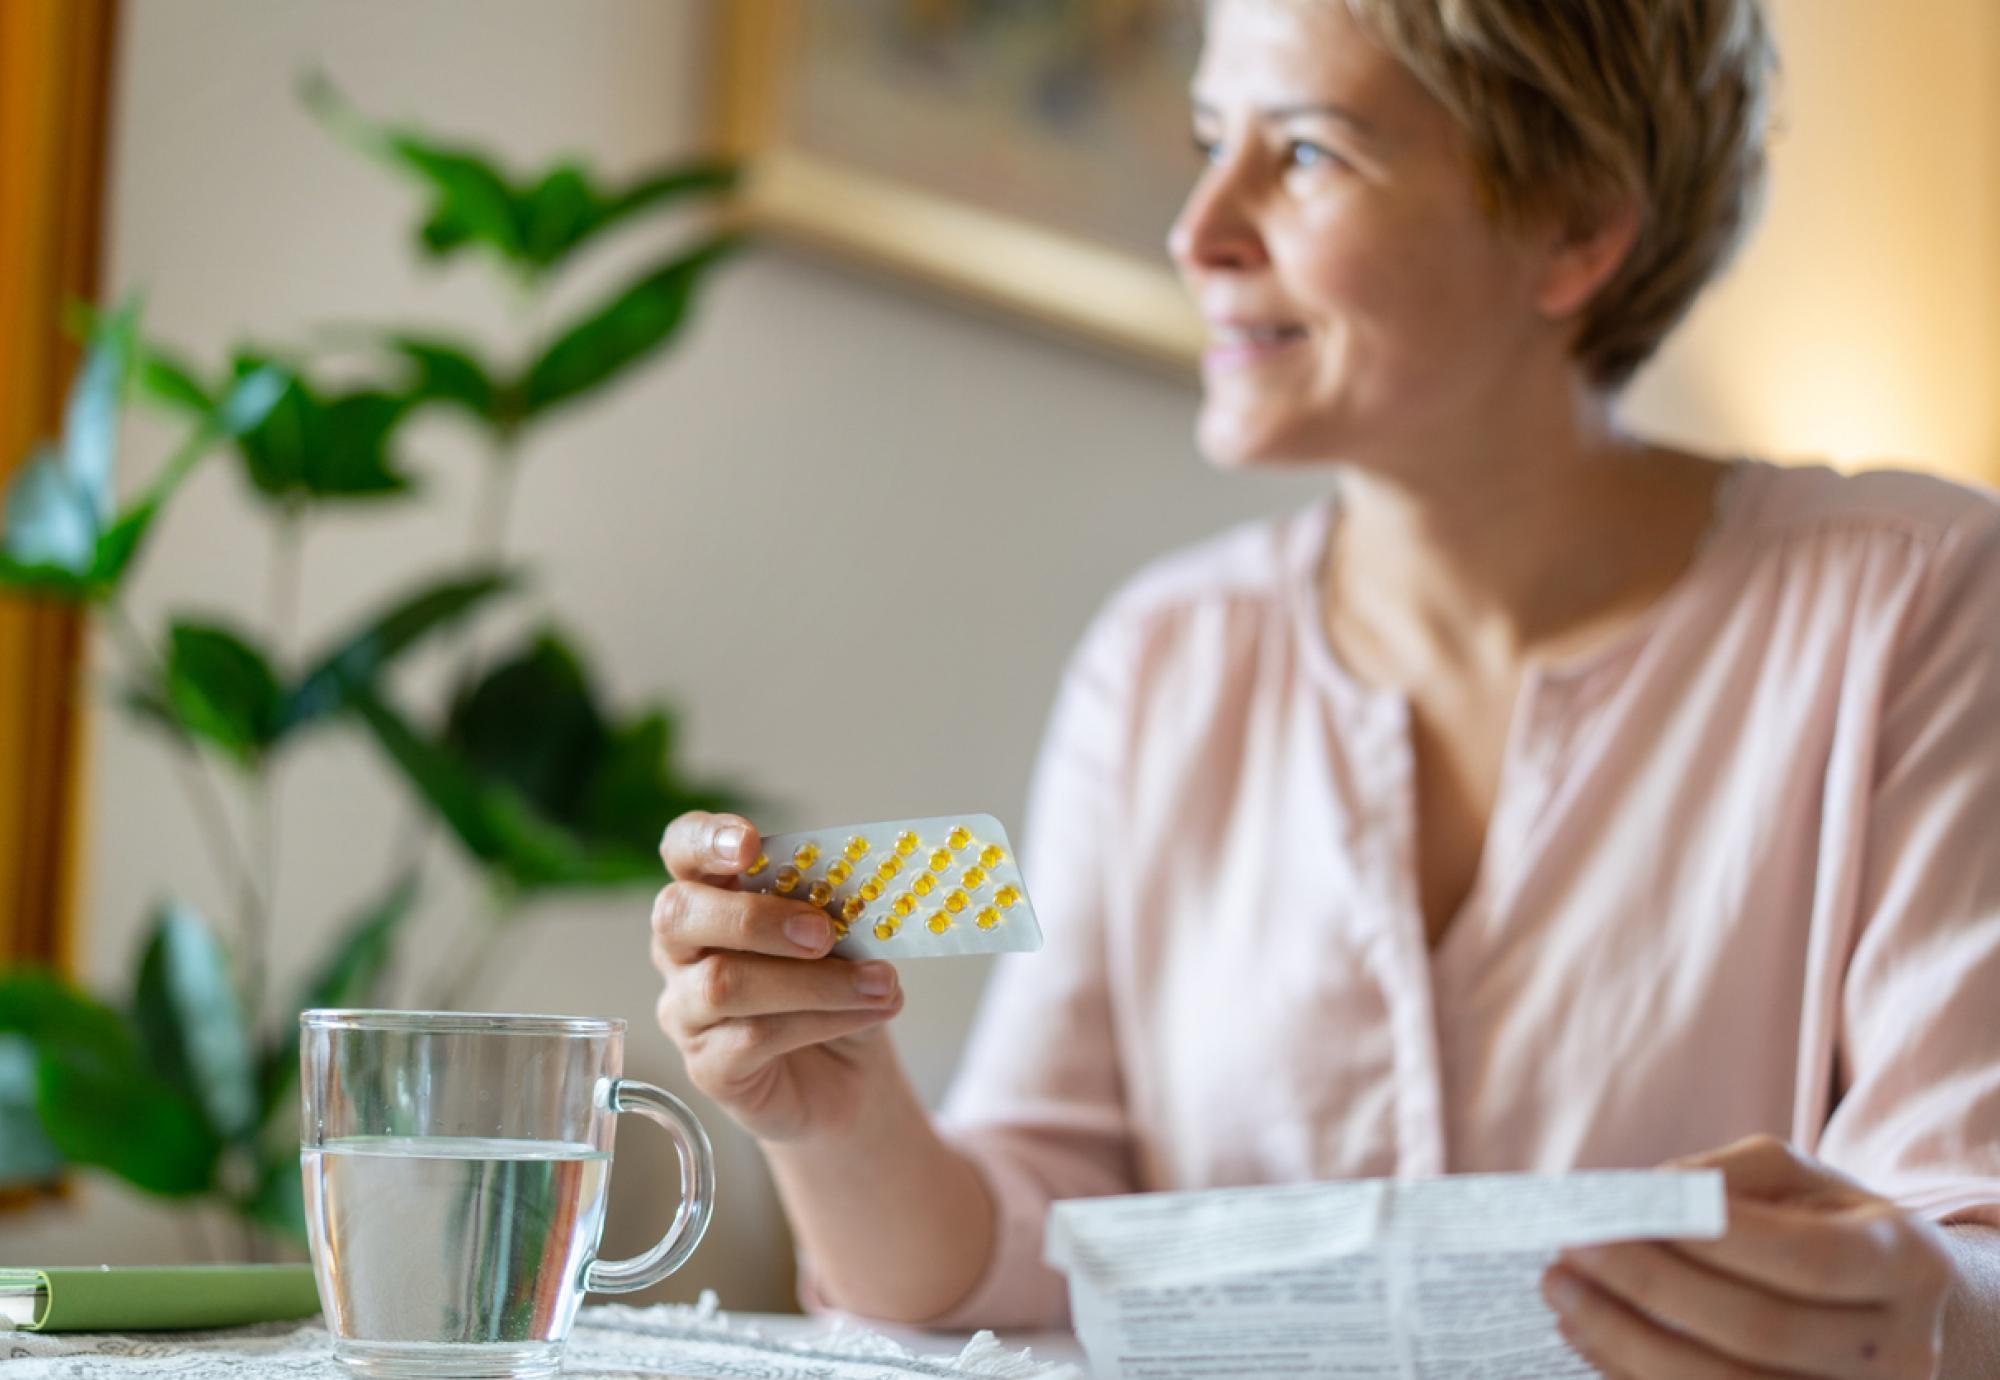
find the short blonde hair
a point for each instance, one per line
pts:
(1573, 106)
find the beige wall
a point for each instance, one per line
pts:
(667, 525)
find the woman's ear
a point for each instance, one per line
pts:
(1584, 257)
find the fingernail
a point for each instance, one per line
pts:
(808, 931)
(875, 980)
(1561, 1291)
(729, 842)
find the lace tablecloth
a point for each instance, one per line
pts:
(675, 1342)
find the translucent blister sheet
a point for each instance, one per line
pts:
(907, 888)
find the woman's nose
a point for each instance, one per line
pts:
(1215, 229)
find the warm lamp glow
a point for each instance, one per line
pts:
(1862, 325)
(1853, 403)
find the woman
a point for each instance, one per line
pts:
(1549, 799)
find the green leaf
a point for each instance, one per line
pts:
(171, 381)
(95, 1098)
(544, 686)
(621, 332)
(128, 1122)
(447, 373)
(27, 1156)
(191, 1022)
(219, 689)
(96, 401)
(119, 546)
(702, 178)
(556, 214)
(61, 499)
(279, 1202)
(579, 802)
(51, 530)
(361, 655)
(60, 538)
(633, 792)
(350, 974)
(533, 225)
(565, 211)
(493, 821)
(309, 446)
(244, 405)
(471, 201)
(57, 542)
(53, 1014)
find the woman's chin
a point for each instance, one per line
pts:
(1233, 442)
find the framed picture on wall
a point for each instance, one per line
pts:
(1028, 155)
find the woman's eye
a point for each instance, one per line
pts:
(1299, 153)
(1207, 148)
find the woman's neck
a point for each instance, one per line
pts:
(1502, 553)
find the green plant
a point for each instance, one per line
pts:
(184, 1085)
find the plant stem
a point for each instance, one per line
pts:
(488, 546)
(211, 814)
(287, 551)
(480, 939)
(193, 1239)
(496, 501)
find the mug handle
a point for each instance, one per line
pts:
(697, 1189)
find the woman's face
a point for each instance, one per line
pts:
(1360, 305)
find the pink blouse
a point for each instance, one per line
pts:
(1742, 875)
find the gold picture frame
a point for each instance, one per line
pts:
(1061, 282)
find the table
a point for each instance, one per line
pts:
(668, 1341)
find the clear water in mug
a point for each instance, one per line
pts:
(454, 1243)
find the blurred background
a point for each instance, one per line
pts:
(847, 520)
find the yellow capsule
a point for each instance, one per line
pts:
(955, 902)
(902, 906)
(988, 918)
(806, 856)
(839, 930)
(820, 894)
(1005, 897)
(888, 868)
(853, 908)
(939, 922)
(991, 857)
(758, 866)
(958, 838)
(923, 884)
(906, 843)
(839, 872)
(787, 878)
(868, 890)
(940, 860)
(857, 848)
(973, 879)
(886, 929)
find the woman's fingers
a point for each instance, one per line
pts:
(726, 1056)
(1855, 1255)
(732, 986)
(1620, 1341)
(714, 848)
(691, 918)
(1743, 1322)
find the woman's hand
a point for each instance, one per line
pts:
(1815, 1276)
(780, 1035)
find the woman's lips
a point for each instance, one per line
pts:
(1237, 346)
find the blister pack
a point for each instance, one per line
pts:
(906, 888)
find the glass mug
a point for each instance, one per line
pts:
(455, 1174)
